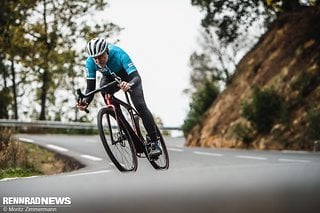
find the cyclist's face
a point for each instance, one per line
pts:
(101, 60)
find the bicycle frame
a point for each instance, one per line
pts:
(115, 104)
(111, 102)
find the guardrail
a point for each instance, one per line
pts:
(58, 124)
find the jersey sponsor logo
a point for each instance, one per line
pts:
(87, 72)
(105, 70)
(131, 65)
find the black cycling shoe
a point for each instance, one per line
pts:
(153, 149)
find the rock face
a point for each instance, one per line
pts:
(287, 59)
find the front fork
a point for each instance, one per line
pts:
(120, 136)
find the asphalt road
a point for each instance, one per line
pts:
(198, 180)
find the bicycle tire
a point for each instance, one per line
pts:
(162, 162)
(117, 141)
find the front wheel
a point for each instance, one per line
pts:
(116, 140)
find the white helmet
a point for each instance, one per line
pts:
(96, 47)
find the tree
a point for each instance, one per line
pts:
(216, 62)
(233, 18)
(13, 15)
(201, 101)
(4, 100)
(227, 36)
(38, 47)
(53, 34)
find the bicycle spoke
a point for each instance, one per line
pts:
(162, 162)
(116, 141)
(123, 154)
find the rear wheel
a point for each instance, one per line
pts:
(162, 161)
(117, 141)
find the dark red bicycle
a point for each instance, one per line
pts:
(122, 133)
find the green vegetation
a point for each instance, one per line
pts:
(313, 119)
(201, 101)
(19, 172)
(20, 160)
(266, 108)
(226, 36)
(12, 153)
(306, 82)
(244, 133)
(285, 58)
(39, 46)
(232, 19)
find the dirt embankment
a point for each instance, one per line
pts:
(287, 59)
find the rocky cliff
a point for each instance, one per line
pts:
(287, 59)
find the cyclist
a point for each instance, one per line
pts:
(106, 59)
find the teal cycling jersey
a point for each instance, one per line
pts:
(118, 61)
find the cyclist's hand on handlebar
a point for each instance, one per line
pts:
(82, 105)
(125, 86)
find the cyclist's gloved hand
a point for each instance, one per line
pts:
(82, 105)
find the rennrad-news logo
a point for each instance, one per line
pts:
(36, 201)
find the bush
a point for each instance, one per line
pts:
(201, 101)
(12, 154)
(244, 133)
(265, 109)
(25, 159)
(18, 172)
(306, 83)
(313, 119)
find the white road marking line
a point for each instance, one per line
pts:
(208, 154)
(175, 149)
(293, 160)
(90, 173)
(250, 157)
(58, 148)
(27, 140)
(8, 179)
(90, 157)
(294, 151)
(18, 178)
